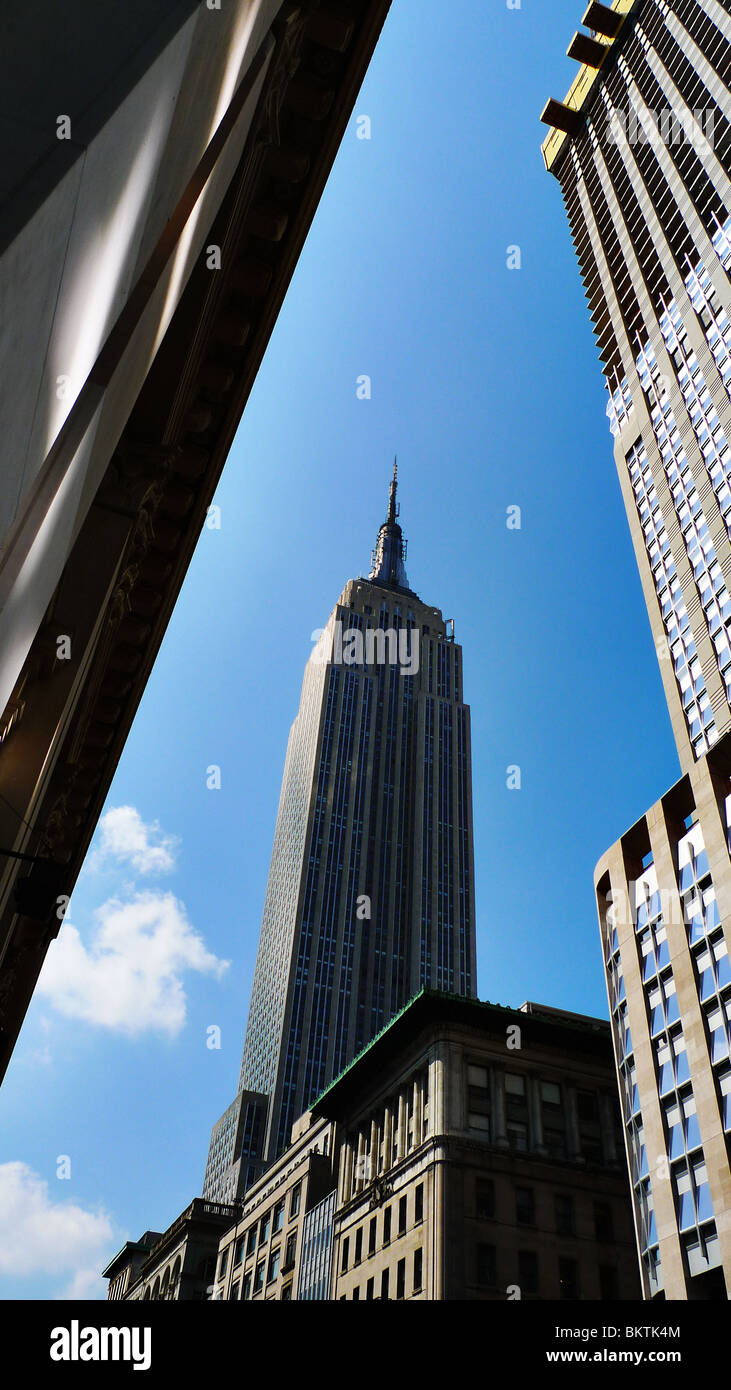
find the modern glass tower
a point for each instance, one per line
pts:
(371, 883)
(641, 147)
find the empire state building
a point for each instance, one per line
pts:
(371, 884)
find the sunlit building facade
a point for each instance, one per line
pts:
(641, 147)
(371, 884)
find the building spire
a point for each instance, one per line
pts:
(392, 511)
(387, 561)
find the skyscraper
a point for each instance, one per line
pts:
(371, 884)
(641, 146)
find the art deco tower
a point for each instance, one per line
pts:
(371, 884)
(641, 147)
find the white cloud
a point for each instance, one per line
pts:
(124, 836)
(41, 1236)
(129, 977)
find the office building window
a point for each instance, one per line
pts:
(402, 1216)
(587, 1107)
(384, 1283)
(551, 1095)
(525, 1209)
(273, 1265)
(246, 1286)
(251, 1241)
(528, 1271)
(603, 1221)
(344, 1255)
(484, 1198)
(372, 1235)
(356, 1294)
(287, 1293)
(478, 1099)
(259, 1277)
(224, 1263)
(358, 1245)
(239, 1250)
(291, 1250)
(264, 1228)
(294, 1201)
(568, 1279)
(387, 1226)
(278, 1217)
(554, 1141)
(486, 1265)
(370, 1287)
(418, 1269)
(517, 1132)
(564, 1214)
(419, 1204)
(401, 1279)
(235, 1291)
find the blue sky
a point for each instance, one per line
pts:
(486, 383)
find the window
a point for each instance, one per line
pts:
(359, 1245)
(278, 1217)
(290, 1251)
(265, 1228)
(555, 1142)
(419, 1204)
(356, 1294)
(246, 1287)
(259, 1277)
(603, 1222)
(401, 1279)
(344, 1257)
(372, 1236)
(384, 1283)
(525, 1210)
(369, 1289)
(251, 1241)
(550, 1094)
(478, 1099)
(608, 1283)
(517, 1133)
(484, 1198)
(568, 1279)
(287, 1293)
(528, 1271)
(564, 1214)
(387, 1226)
(486, 1271)
(586, 1106)
(224, 1263)
(294, 1201)
(418, 1269)
(514, 1085)
(273, 1265)
(402, 1216)
(235, 1290)
(239, 1250)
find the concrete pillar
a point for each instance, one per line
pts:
(360, 1165)
(418, 1112)
(497, 1106)
(535, 1117)
(606, 1120)
(401, 1131)
(387, 1139)
(573, 1139)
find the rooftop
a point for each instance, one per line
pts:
(593, 51)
